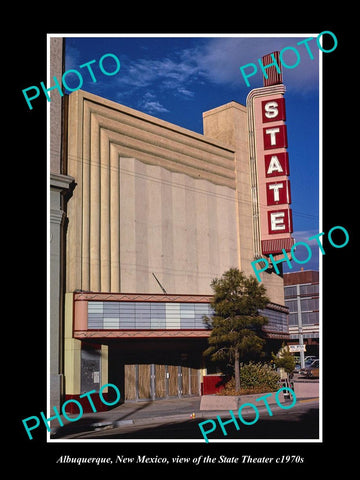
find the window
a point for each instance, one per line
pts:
(290, 291)
(309, 289)
(293, 319)
(309, 304)
(292, 305)
(277, 321)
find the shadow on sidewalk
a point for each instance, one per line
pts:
(282, 425)
(90, 422)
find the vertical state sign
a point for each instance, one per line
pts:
(272, 167)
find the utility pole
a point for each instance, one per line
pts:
(301, 338)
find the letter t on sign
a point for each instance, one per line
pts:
(275, 137)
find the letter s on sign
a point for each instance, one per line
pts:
(271, 109)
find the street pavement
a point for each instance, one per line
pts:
(179, 418)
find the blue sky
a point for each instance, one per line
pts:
(177, 78)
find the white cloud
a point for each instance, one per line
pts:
(154, 106)
(165, 73)
(160, 77)
(304, 235)
(151, 105)
(221, 58)
(218, 60)
(302, 252)
(215, 60)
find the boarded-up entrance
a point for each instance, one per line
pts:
(173, 380)
(194, 381)
(144, 387)
(160, 381)
(185, 380)
(130, 382)
(154, 381)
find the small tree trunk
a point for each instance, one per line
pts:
(237, 371)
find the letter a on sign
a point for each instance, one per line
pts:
(277, 164)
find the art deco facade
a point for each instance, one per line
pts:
(152, 213)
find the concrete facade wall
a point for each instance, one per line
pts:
(150, 197)
(228, 124)
(174, 225)
(154, 197)
(59, 186)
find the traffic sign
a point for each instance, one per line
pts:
(297, 348)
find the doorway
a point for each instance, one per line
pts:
(90, 367)
(157, 381)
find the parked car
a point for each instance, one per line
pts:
(307, 362)
(297, 366)
(311, 370)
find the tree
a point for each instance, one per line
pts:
(236, 323)
(284, 359)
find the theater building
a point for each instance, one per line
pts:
(155, 213)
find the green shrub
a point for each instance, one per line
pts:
(285, 360)
(254, 378)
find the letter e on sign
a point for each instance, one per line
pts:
(273, 110)
(280, 221)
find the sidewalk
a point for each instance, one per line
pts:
(132, 413)
(140, 413)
